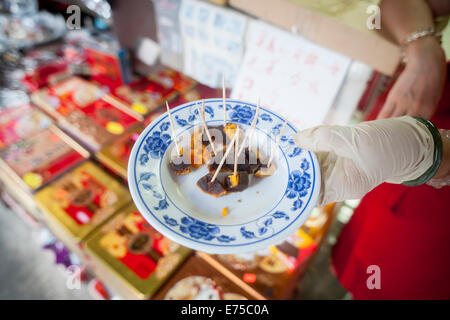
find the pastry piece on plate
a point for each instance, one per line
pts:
(265, 171)
(180, 164)
(214, 188)
(247, 162)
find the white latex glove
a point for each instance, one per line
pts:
(356, 159)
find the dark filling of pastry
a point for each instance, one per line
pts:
(214, 131)
(215, 188)
(250, 164)
(178, 166)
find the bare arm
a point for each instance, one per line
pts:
(439, 7)
(418, 88)
(401, 18)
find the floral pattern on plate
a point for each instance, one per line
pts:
(271, 226)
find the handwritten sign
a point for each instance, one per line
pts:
(289, 74)
(213, 42)
(169, 34)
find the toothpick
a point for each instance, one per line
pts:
(174, 137)
(252, 128)
(224, 100)
(203, 116)
(205, 127)
(276, 144)
(223, 159)
(250, 131)
(236, 144)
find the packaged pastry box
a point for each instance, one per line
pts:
(115, 155)
(198, 280)
(80, 201)
(142, 96)
(198, 92)
(82, 109)
(318, 222)
(45, 74)
(272, 272)
(109, 64)
(19, 122)
(172, 79)
(152, 116)
(128, 253)
(60, 99)
(36, 160)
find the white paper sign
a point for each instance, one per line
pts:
(169, 34)
(289, 74)
(213, 42)
(148, 51)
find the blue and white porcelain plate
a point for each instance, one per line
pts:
(266, 213)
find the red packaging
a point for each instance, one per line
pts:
(38, 159)
(143, 96)
(115, 155)
(172, 79)
(109, 68)
(81, 109)
(198, 92)
(46, 74)
(97, 123)
(60, 99)
(20, 122)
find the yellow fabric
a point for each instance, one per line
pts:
(443, 26)
(349, 12)
(353, 13)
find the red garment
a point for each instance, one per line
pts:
(403, 230)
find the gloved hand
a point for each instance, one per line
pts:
(355, 159)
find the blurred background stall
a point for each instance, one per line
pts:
(79, 80)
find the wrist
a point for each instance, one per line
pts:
(424, 47)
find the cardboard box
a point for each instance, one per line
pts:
(342, 30)
(197, 279)
(263, 274)
(25, 199)
(219, 2)
(273, 273)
